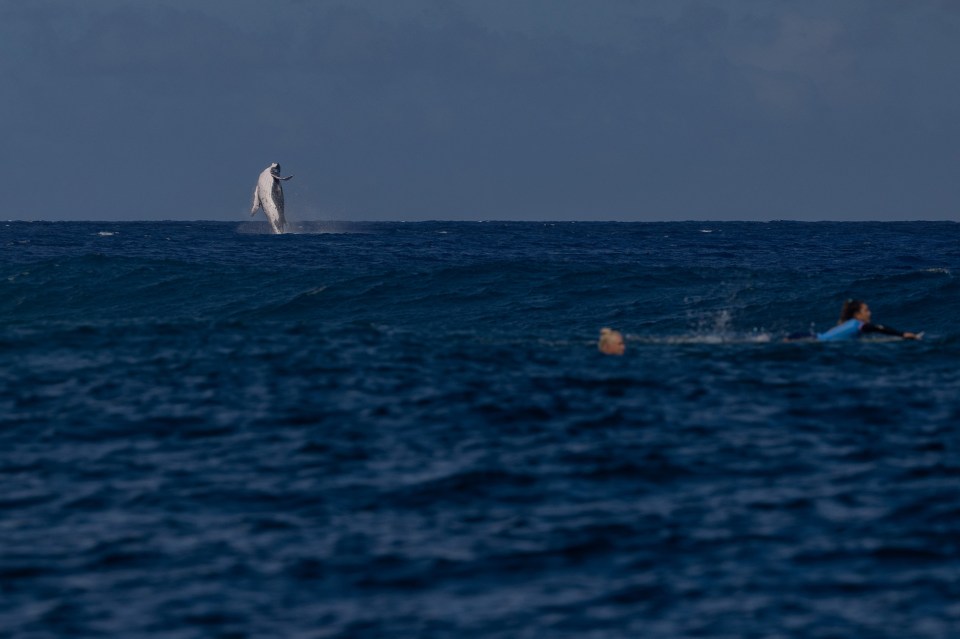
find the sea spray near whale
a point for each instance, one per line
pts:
(268, 195)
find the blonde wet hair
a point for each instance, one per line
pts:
(608, 338)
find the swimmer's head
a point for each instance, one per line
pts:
(855, 309)
(611, 342)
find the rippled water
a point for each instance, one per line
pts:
(405, 430)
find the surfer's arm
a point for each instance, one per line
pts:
(886, 330)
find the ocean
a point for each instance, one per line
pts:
(362, 430)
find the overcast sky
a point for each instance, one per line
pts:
(482, 109)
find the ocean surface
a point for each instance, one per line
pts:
(363, 430)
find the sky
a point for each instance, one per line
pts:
(482, 109)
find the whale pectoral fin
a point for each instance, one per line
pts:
(256, 202)
(284, 178)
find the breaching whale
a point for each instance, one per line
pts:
(268, 194)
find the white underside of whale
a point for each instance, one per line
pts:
(268, 195)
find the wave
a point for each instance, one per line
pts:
(659, 283)
(678, 304)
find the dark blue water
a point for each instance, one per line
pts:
(405, 430)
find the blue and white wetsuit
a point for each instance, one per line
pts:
(854, 328)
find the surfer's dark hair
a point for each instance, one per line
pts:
(850, 308)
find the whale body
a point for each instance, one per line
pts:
(268, 195)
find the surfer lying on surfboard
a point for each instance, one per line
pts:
(854, 321)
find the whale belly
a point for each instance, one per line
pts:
(277, 196)
(266, 187)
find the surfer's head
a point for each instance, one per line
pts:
(611, 342)
(855, 309)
